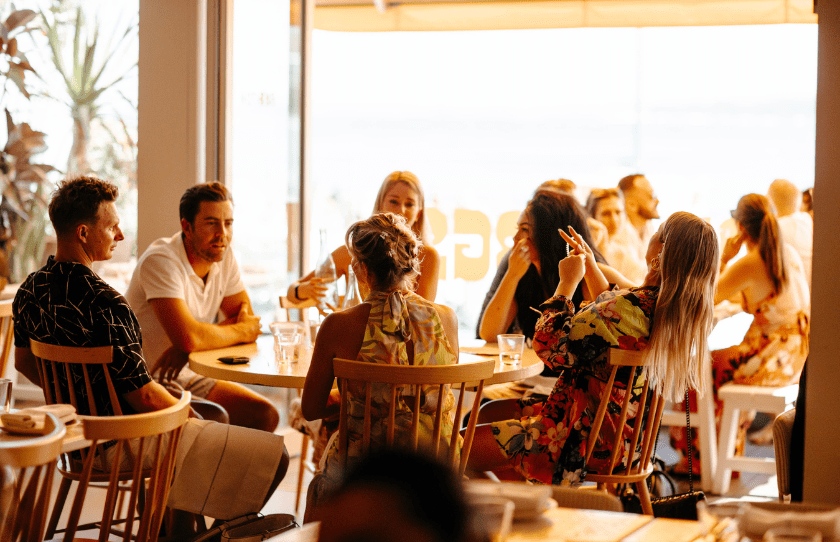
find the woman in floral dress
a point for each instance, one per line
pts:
(393, 326)
(670, 316)
(769, 282)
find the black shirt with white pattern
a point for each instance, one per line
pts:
(67, 304)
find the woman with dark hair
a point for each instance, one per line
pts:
(527, 276)
(769, 283)
(669, 316)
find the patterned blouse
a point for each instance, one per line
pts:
(67, 304)
(548, 444)
(395, 319)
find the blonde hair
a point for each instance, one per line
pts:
(419, 227)
(388, 248)
(684, 310)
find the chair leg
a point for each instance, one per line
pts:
(58, 507)
(304, 451)
(726, 448)
(644, 497)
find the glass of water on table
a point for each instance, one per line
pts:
(287, 338)
(511, 346)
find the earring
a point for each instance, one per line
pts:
(655, 263)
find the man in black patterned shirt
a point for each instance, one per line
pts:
(66, 303)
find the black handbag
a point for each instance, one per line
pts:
(681, 505)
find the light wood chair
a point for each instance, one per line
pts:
(53, 360)
(151, 440)
(643, 437)
(6, 338)
(570, 497)
(737, 398)
(23, 515)
(466, 376)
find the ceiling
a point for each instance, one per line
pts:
(442, 15)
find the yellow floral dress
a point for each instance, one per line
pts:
(397, 320)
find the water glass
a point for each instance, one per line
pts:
(5, 394)
(511, 346)
(287, 337)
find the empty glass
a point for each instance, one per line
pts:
(287, 337)
(511, 346)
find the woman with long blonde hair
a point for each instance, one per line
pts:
(670, 316)
(769, 282)
(401, 194)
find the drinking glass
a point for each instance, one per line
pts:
(5, 394)
(511, 346)
(287, 337)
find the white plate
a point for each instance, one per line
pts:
(528, 514)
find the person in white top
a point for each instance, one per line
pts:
(797, 226)
(188, 296)
(640, 204)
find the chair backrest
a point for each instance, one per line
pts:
(53, 360)
(25, 500)
(150, 440)
(5, 334)
(643, 434)
(782, 429)
(464, 376)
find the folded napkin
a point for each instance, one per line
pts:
(21, 420)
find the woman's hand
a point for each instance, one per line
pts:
(731, 248)
(313, 288)
(596, 283)
(571, 269)
(520, 259)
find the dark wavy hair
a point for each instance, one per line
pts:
(547, 212)
(192, 198)
(76, 201)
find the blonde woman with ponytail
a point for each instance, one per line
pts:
(768, 282)
(669, 316)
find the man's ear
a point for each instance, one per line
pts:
(82, 232)
(186, 227)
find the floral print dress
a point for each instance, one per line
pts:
(395, 319)
(548, 444)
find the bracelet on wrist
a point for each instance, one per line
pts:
(297, 295)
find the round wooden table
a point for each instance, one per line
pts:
(263, 371)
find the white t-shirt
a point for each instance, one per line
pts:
(798, 231)
(164, 271)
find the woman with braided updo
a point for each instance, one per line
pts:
(393, 325)
(769, 283)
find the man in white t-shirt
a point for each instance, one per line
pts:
(188, 296)
(797, 226)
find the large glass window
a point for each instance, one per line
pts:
(266, 146)
(482, 118)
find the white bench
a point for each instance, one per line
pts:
(738, 397)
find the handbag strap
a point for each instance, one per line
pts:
(688, 441)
